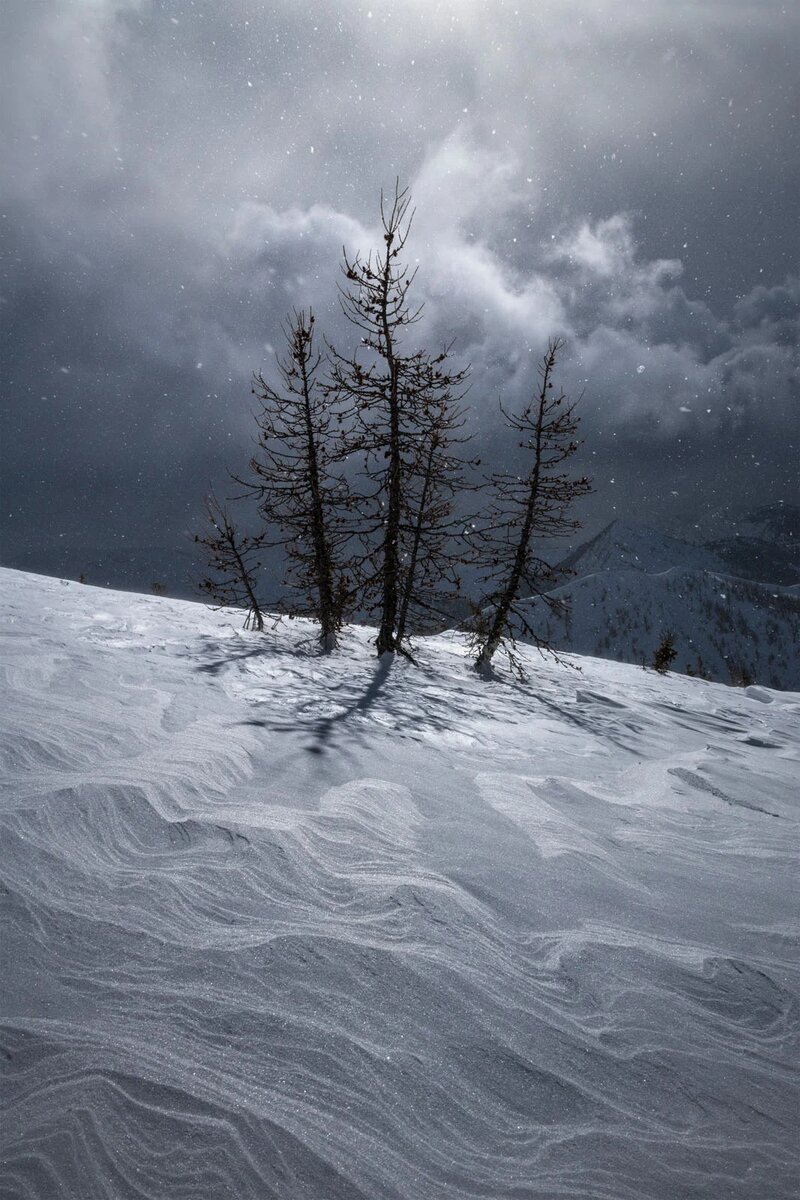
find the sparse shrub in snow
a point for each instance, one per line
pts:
(741, 675)
(699, 669)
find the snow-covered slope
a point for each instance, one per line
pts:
(633, 584)
(279, 926)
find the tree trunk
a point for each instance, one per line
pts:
(509, 594)
(412, 566)
(387, 640)
(328, 617)
(255, 618)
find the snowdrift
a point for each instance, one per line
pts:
(283, 926)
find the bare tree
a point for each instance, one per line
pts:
(398, 395)
(232, 565)
(433, 526)
(527, 509)
(295, 478)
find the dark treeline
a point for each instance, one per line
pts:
(390, 539)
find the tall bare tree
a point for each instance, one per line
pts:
(528, 509)
(232, 564)
(295, 476)
(396, 393)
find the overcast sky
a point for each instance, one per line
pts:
(177, 175)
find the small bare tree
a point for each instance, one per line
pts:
(231, 563)
(527, 509)
(398, 397)
(295, 479)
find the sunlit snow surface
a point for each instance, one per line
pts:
(276, 926)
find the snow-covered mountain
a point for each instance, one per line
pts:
(631, 585)
(277, 925)
(762, 543)
(778, 523)
(625, 546)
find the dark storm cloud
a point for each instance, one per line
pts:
(177, 176)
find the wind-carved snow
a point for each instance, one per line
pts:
(291, 926)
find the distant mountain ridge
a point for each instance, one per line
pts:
(764, 544)
(778, 523)
(630, 585)
(127, 567)
(623, 545)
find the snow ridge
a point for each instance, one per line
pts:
(281, 925)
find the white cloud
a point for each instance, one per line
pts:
(647, 356)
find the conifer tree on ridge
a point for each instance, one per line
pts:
(296, 480)
(526, 510)
(398, 395)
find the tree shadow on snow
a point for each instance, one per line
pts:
(325, 728)
(220, 655)
(396, 710)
